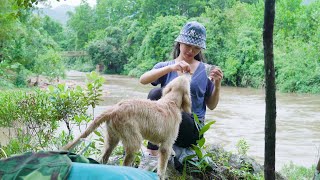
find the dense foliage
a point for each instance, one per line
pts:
(28, 44)
(129, 37)
(47, 119)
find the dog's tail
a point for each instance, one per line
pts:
(93, 126)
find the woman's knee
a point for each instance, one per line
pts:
(188, 132)
(155, 94)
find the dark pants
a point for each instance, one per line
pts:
(188, 132)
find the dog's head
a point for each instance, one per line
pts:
(179, 89)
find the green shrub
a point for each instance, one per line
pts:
(5, 84)
(9, 107)
(242, 147)
(293, 172)
(34, 117)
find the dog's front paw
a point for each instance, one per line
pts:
(161, 176)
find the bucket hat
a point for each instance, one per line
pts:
(193, 33)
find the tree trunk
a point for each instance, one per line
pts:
(270, 116)
(317, 173)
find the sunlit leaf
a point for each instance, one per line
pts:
(201, 142)
(206, 127)
(97, 133)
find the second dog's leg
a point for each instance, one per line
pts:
(111, 141)
(165, 151)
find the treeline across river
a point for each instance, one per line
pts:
(129, 37)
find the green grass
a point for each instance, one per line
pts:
(293, 172)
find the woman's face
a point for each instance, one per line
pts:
(188, 52)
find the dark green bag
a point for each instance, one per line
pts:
(41, 165)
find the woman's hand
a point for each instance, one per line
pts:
(216, 75)
(181, 66)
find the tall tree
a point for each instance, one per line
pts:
(108, 51)
(317, 173)
(149, 10)
(82, 22)
(29, 3)
(109, 12)
(270, 116)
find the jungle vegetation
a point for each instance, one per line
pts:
(129, 36)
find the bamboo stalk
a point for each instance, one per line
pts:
(317, 173)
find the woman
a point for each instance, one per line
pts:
(205, 88)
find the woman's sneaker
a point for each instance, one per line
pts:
(148, 162)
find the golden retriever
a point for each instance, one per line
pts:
(133, 120)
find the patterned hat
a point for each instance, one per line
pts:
(193, 33)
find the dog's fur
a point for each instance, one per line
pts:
(131, 121)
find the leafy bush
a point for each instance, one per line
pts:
(5, 84)
(33, 118)
(22, 74)
(109, 51)
(49, 64)
(297, 70)
(9, 107)
(202, 164)
(292, 171)
(242, 147)
(255, 75)
(234, 42)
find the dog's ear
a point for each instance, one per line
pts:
(186, 102)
